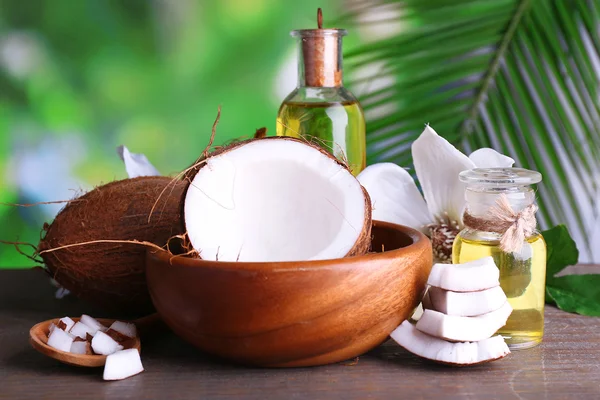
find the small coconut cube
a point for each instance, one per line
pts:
(122, 364)
(104, 344)
(80, 347)
(60, 340)
(92, 323)
(126, 328)
(51, 328)
(80, 329)
(68, 323)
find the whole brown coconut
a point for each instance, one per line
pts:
(112, 275)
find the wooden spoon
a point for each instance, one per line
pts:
(38, 337)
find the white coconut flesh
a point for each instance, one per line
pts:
(466, 304)
(432, 348)
(274, 200)
(472, 276)
(463, 329)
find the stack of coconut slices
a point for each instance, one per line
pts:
(463, 307)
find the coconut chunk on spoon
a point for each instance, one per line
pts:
(471, 276)
(442, 351)
(104, 344)
(60, 340)
(82, 330)
(464, 304)
(276, 199)
(92, 323)
(125, 328)
(463, 329)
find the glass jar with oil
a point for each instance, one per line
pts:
(320, 109)
(523, 272)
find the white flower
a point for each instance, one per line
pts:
(396, 198)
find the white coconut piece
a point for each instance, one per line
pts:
(79, 347)
(126, 328)
(93, 323)
(122, 364)
(60, 340)
(68, 322)
(472, 276)
(51, 328)
(80, 329)
(465, 304)
(274, 199)
(435, 349)
(104, 344)
(463, 329)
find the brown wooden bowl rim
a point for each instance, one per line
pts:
(93, 360)
(418, 240)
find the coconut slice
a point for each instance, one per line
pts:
(104, 344)
(463, 329)
(126, 328)
(465, 304)
(68, 323)
(80, 329)
(472, 276)
(81, 347)
(276, 199)
(60, 340)
(122, 364)
(92, 323)
(432, 348)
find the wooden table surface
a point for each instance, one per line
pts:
(565, 366)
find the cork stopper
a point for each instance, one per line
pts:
(321, 54)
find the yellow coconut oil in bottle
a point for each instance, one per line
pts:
(522, 272)
(321, 110)
(338, 127)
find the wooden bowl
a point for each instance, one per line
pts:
(291, 314)
(38, 337)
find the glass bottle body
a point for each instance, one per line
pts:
(523, 271)
(321, 110)
(329, 117)
(522, 277)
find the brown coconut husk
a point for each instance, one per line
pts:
(363, 243)
(93, 246)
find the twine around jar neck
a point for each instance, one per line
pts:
(514, 227)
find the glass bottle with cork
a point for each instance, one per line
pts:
(320, 109)
(500, 222)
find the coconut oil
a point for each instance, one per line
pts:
(320, 109)
(338, 127)
(522, 271)
(522, 277)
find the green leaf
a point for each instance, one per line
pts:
(519, 76)
(562, 251)
(573, 293)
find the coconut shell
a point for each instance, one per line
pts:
(363, 243)
(112, 275)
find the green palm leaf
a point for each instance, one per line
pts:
(520, 76)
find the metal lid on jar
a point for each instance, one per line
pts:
(500, 177)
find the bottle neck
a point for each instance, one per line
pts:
(319, 57)
(480, 201)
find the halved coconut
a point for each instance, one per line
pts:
(276, 199)
(442, 351)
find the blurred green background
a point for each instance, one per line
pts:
(80, 77)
